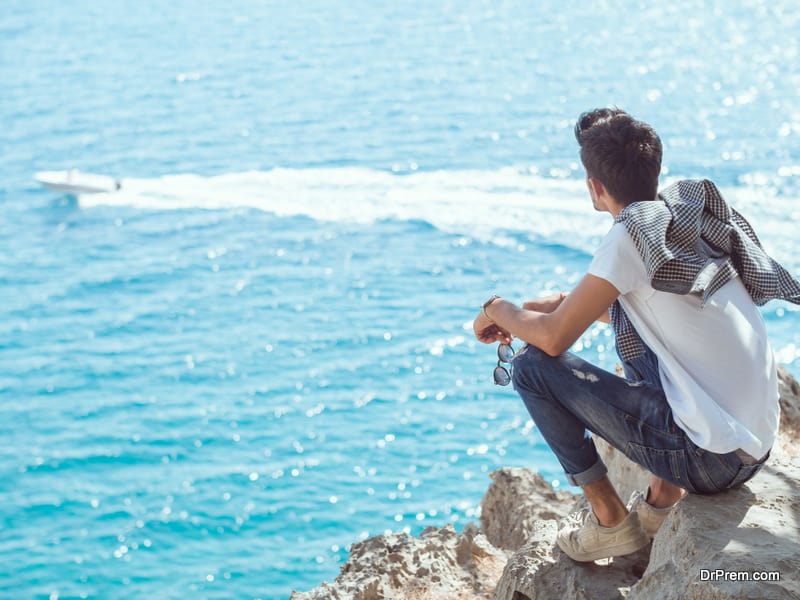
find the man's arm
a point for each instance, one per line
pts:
(553, 332)
(548, 304)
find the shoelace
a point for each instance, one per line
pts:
(577, 519)
(635, 499)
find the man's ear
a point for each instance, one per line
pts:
(597, 187)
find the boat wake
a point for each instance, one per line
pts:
(483, 204)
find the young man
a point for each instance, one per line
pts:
(678, 276)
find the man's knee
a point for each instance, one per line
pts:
(530, 364)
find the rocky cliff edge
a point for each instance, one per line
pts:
(710, 547)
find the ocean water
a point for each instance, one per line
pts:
(259, 351)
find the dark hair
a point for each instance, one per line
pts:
(622, 153)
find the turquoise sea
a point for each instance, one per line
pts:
(259, 351)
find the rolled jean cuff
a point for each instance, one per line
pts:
(594, 473)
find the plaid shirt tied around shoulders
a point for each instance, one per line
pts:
(692, 242)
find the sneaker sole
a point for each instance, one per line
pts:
(621, 550)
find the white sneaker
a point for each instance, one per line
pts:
(649, 516)
(583, 539)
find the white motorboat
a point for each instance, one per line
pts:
(76, 182)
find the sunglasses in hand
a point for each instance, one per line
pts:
(505, 354)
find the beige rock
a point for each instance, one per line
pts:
(752, 529)
(439, 565)
(789, 439)
(540, 571)
(515, 501)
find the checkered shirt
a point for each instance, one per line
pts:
(692, 242)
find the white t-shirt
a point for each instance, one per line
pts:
(715, 361)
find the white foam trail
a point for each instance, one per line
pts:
(471, 202)
(475, 203)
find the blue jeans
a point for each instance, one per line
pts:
(568, 398)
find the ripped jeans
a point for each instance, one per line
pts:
(568, 398)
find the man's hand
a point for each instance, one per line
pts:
(551, 324)
(545, 305)
(488, 332)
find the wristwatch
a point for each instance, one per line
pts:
(487, 303)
